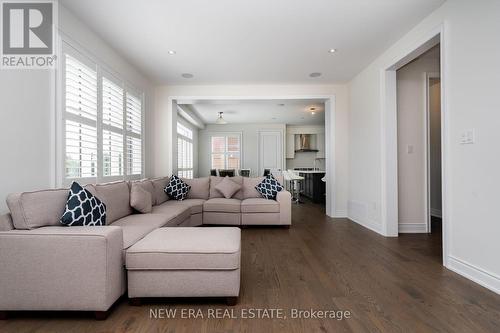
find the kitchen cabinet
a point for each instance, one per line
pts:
(290, 146)
(313, 187)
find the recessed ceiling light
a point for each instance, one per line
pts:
(187, 75)
(281, 104)
(171, 52)
(315, 74)
(332, 50)
(312, 108)
(313, 113)
(273, 118)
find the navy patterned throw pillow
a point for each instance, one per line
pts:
(269, 187)
(83, 208)
(176, 189)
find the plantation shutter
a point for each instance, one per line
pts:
(134, 134)
(80, 119)
(112, 124)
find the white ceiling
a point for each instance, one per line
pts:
(251, 41)
(290, 112)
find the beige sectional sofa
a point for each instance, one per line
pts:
(47, 266)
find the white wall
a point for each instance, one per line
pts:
(470, 87)
(412, 136)
(160, 157)
(250, 144)
(27, 114)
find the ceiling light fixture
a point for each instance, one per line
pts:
(332, 50)
(220, 120)
(171, 52)
(187, 75)
(315, 74)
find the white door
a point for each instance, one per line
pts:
(270, 151)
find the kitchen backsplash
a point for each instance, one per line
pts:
(305, 160)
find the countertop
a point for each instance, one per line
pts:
(309, 171)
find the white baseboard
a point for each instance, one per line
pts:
(436, 212)
(412, 228)
(367, 224)
(476, 274)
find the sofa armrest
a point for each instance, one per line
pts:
(284, 198)
(61, 268)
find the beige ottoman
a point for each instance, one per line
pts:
(185, 262)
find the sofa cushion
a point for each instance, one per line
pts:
(83, 208)
(187, 248)
(146, 185)
(159, 185)
(222, 205)
(140, 199)
(6, 222)
(136, 226)
(214, 181)
(259, 205)
(227, 187)
(116, 197)
(176, 189)
(176, 211)
(200, 187)
(195, 205)
(30, 210)
(249, 190)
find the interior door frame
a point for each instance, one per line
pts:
(281, 136)
(388, 100)
(427, 146)
(170, 118)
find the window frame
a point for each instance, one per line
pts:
(67, 46)
(226, 153)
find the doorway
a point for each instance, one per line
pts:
(328, 148)
(418, 128)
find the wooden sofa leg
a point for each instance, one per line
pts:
(101, 315)
(231, 301)
(4, 315)
(136, 301)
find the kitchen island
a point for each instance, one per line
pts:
(312, 185)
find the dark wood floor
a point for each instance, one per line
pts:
(388, 285)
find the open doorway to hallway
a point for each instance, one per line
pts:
(419, 145)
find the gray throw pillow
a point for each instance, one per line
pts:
(227, 187)
(140, 199)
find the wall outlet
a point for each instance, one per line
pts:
(409, 149)
(468, 137)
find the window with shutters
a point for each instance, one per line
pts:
(226, 151)
(184, 151)
(102, 123)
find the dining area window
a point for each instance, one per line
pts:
(226, 151)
